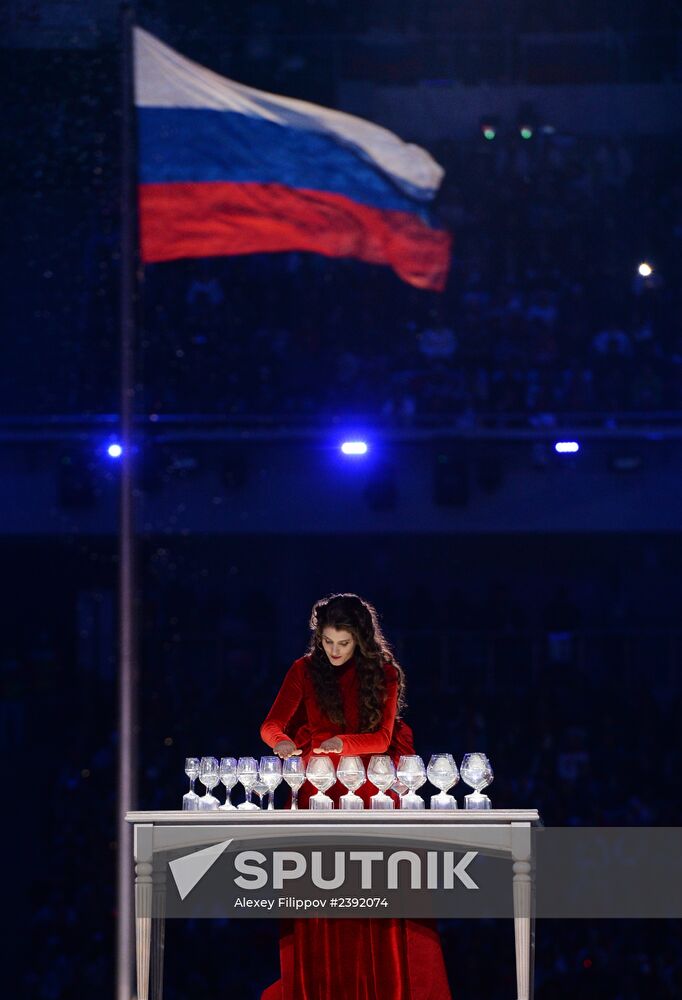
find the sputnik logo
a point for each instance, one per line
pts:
(189, 870)
(441, 869)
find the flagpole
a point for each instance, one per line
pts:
(127, 653)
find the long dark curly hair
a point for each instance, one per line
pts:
(353, 614)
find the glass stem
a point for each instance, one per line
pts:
(248, 795)
(294, 798)
(271, 800)
(191, 785)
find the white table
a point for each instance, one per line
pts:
(499, 832)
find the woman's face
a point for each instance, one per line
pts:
(338, 644)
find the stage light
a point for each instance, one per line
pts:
(566, 447)
(489, 127)
(645, 270)
(526, 121)
(114, 450)
(354, 448)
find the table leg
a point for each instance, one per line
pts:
(532, 928)
(143, 925)
(522, 927)
(524, 924)
(158, 931)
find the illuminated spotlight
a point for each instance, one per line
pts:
(566, 447)
(645, 270)
(114, 450)
(526, 120)
(489, 127)
(354, 447)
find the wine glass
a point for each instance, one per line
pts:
(381, 772)
(228, 776)
(270, 773)
(260, 789)
(477, 772)
(293, 772)
(442, 772)
(190, 800)
(320, 773)
(412, 772)
(209, 777)
(247, 775)
(351, 774)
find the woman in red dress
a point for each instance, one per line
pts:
(345, 697)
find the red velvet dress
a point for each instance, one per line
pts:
(357, 959)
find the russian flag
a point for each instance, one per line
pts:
(226, 169)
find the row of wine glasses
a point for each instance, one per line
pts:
(476, 771)
(261, 778)
(406, 779)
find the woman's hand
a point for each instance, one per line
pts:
(332, 745)
(285, 748)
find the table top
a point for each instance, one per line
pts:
(238, 817)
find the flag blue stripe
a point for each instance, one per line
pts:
(196, 144)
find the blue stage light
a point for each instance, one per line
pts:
(354, 447)
(114, 450)
(566, 447)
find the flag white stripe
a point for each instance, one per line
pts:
(166, 79)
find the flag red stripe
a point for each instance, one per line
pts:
(217, 219)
